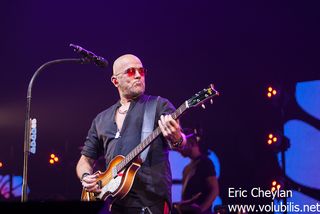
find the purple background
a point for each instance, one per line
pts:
(185, 45)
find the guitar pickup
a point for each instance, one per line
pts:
(114, 172)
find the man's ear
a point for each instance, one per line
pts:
(114, 81)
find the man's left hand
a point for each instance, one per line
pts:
(170, 128)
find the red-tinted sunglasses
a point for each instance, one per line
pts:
(132, 71)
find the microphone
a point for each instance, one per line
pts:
(98, 60)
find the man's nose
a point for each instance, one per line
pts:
(137, 75)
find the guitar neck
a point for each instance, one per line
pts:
(146, 142)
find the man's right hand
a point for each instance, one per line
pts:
(89, 182)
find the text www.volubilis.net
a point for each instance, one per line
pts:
(289, 207)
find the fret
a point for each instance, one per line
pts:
(196, 100)
(147, 141)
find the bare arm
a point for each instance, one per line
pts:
(85, 165)
(212, 184)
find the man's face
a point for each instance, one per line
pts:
(130, 76)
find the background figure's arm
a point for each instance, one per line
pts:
(213, 185)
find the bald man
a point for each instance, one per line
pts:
(117, 131)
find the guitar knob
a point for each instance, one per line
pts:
(203, 106)
(211, 101)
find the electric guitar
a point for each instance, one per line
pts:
(118, 178)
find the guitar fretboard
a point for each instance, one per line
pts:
(146, 142)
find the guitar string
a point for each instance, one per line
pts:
(151, 137)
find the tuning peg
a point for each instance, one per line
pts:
(211, 101)
(203, 106)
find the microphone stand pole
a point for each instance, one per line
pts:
(24, 195)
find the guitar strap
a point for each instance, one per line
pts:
(148, 122)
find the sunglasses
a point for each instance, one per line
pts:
(131, 72)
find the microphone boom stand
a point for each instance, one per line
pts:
(24, 195)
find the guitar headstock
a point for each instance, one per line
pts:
(202, 96)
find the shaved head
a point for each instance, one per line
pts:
(124, 62)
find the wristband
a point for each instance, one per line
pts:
(84, 175)
(178, 143)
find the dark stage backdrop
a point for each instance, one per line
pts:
(185, 45)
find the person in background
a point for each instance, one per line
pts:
(199, 183)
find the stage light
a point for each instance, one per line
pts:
(272, 138)
(273, 186)
(271, 92)
(276, 185)
(1, 164)
(277, 141)
(53, 159)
